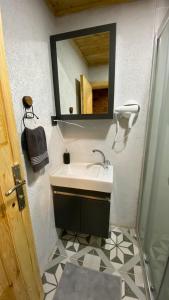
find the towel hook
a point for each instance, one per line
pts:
(28, 104)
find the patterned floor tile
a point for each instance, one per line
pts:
(80, 238)
(132, 287)
(76, 237)
(52, 275)
(118, 255)
(68, 248)
(119, 248)
(116, 251)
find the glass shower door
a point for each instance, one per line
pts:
(157, 236)
(164, 291)
(154, 220)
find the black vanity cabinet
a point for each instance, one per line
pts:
(82, 211)
(95, 217)
(67, 212)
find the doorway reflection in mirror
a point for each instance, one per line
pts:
(83, 72)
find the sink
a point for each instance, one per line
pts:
(84, 176)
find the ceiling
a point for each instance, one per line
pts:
(94, 48)
(64, 7)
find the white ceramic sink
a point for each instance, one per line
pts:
(84, 176)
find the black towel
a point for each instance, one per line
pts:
(34, 143)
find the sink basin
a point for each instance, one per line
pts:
(84, 176)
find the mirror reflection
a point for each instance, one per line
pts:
(83, 72)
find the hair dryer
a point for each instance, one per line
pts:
(129, 110)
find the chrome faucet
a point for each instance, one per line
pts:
(105, 162)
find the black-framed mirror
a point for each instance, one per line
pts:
(83, 64)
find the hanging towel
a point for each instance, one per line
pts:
(34, 142)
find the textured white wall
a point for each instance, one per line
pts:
(71, 65)
(99, 73)
(135, 29)
(27, 26)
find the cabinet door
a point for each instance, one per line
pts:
(95, 217)
(67, 212)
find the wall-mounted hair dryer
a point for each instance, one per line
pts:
(129, 110)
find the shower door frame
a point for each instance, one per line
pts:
(146, 271)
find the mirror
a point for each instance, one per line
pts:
(83, 65)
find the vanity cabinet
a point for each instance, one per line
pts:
(66, 210)
(95, 217)
(81, 210)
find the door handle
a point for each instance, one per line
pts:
(19, 183)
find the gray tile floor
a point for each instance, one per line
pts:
(119, 254)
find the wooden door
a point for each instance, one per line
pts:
(86, 95)
(19, 272)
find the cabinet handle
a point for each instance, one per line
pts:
(79, 195)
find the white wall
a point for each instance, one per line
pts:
(27, 26)
(71, 65)
(99, 73)
(135, 29)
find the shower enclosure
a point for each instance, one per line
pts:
(153, 219)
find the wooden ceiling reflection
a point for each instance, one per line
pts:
(94, 48)
(65, 7)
